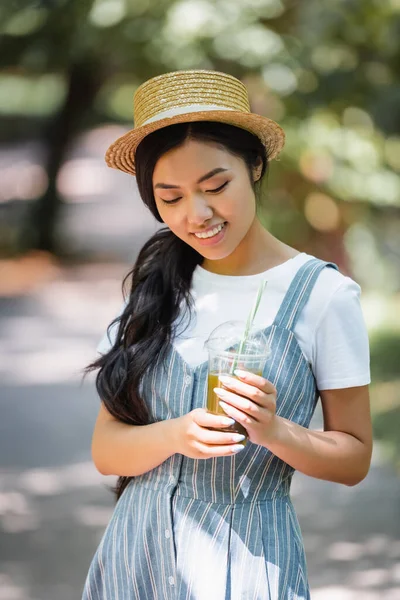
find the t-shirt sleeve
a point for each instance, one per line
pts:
(108, 339)
(341, 345)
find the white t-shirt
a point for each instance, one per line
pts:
(330, 329)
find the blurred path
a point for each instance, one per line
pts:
(54, 506)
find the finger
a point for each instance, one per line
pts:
(212, 451)
(239, 416)
(217, 438)
(206, 419)
(245, 389)
(253, 379)
(244, 404)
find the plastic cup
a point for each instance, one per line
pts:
(223, 356)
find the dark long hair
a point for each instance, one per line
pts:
(159, 280)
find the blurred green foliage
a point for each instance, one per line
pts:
(386, 426)
(385, 391)
(328, 71)
(385, 356)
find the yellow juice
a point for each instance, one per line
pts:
(214, 407)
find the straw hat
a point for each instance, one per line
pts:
(186, 96)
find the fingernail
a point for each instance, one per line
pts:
(219, 392)
(237, 448)
(227, 421)
(225, 379)
(240, 373)
(238, 437)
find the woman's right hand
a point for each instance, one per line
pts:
(194, 440)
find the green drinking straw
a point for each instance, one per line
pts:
(249, 323)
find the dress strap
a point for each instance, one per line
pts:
(299, 292)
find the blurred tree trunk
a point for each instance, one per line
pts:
(39, 230)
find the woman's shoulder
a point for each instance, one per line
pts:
(331, 279)
(334, 295)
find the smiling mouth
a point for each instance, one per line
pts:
(211, 233)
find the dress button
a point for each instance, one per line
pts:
(171, 580)
(188, 379)
(167, 533)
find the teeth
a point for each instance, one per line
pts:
(210, 233)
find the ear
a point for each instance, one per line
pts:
(257, 170)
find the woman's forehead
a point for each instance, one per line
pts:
(192, 160)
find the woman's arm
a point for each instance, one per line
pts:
(340, 453)
(128, 450)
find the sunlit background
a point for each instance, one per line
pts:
(329, 72)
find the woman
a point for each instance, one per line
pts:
(199, 516)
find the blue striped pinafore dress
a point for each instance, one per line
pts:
(222, 528)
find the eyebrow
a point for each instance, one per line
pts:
(166, 186)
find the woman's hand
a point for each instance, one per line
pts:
(251, 401)
(194, 440)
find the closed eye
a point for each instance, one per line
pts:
(221, 187)
(214, 191)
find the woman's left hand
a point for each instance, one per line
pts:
(251, 401)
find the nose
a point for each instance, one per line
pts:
(198, 210)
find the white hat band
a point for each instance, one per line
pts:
(182, 110)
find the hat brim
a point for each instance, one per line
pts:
(121, 154)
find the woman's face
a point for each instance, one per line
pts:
(199, 187)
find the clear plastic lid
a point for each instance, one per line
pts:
(226, 340)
